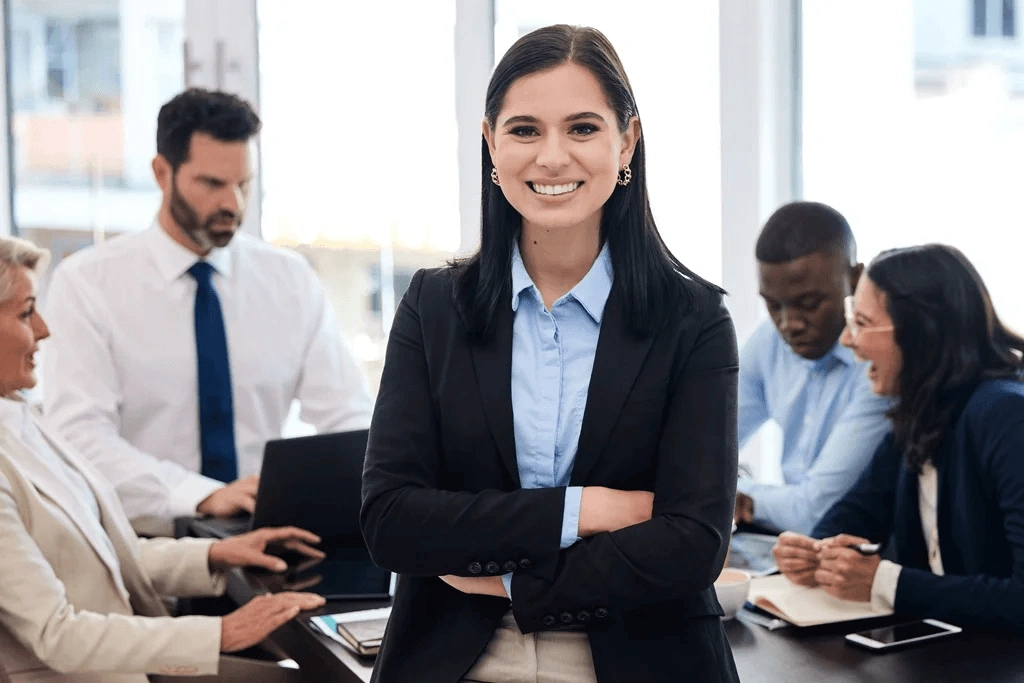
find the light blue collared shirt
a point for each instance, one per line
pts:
(552, 358)
(831, 424)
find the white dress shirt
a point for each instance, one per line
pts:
(20, 420)
(887, 576)
(120, 378)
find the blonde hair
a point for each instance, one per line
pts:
(19, 253)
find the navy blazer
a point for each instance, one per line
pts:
(980, 468)
(441, 493)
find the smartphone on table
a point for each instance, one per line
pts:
(890, 638)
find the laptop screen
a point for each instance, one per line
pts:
(313, 482)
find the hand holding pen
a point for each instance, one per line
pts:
(847, 566)
(866, 548)
(843, 565)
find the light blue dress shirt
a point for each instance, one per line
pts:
(552, 358)
(831, 424)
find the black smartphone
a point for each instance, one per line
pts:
(892, 637)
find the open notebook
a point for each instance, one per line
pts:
(803, 606)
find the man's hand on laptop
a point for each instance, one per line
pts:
(238, 496)
(251, 549)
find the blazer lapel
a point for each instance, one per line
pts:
(50, 486)
(493, 364)
(617, 362)
(117, 528)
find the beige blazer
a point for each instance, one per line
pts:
(64, 609)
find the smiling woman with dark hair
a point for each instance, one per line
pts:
(564, 435)
(948, 484)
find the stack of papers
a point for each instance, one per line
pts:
(803, 606)
(361, 631)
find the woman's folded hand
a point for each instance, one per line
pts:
(604, 509)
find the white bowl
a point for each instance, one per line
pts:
(732, 587)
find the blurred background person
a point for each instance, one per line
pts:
(794, 371)
(81, 600)
(178, 350)
(948, 484)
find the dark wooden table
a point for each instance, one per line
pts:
(800, 655)
(787, 655)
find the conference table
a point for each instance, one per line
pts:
(792, 655)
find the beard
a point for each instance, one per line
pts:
(201, 231)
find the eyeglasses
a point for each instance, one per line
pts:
(851, 321)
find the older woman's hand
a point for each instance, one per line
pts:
(251, 624)
(250, 550)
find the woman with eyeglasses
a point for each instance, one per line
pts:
(948, 484)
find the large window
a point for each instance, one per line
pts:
(86, 80)
(914, 128)
(359, 149)
(670, 52)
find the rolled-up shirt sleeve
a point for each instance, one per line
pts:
(846, 453)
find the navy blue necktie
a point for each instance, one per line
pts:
(216, 411)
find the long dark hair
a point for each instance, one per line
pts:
(649, 276)
(949, 336)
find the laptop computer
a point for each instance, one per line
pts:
(314, 483)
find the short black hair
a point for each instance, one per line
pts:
(801, 228)
(224, 116)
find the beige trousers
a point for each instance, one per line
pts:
(541, 657)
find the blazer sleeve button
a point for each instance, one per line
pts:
(565, 617)
(525, 563)
(475, 568)
(493, 567)
(583, 616)
(510, 567)
(548, 620)
(601, 612)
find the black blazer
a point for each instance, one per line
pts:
(980, 467)
(441, 493)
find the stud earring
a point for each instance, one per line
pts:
(627, 175)
(494, 177)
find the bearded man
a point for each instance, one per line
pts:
(178, 350)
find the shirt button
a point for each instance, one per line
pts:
(475, 568)
(509, 566)
(492, 567)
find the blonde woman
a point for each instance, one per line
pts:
(81, 597)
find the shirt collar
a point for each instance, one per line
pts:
(174, 260)
(591, 292)
(844, 354)
(837, 354)
(12, 415)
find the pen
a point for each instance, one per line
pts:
(866, 548)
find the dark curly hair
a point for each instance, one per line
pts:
(222, 115)
(949, 336)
